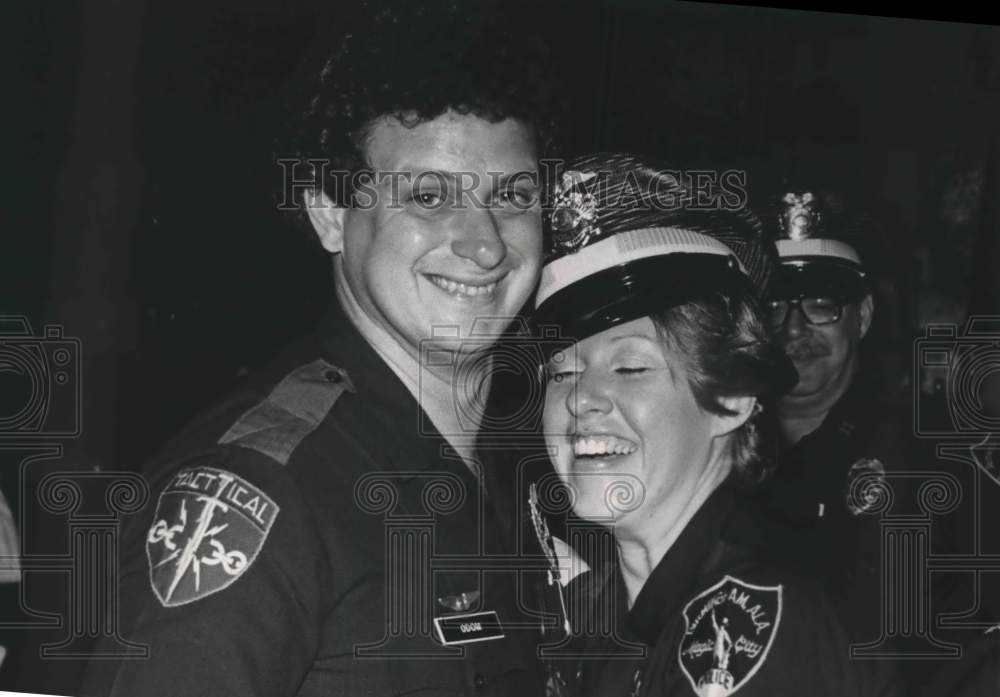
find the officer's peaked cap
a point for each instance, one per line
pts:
(626, 238)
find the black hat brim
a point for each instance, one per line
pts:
(645, 287)
(819, 278)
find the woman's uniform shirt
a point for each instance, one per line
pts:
(713, 619)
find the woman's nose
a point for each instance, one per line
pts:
(587, 397)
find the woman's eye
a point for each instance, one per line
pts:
(631, 370)
(558, 376)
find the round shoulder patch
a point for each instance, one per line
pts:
(729, 629)
(209, 526)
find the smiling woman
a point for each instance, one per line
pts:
(651, 419)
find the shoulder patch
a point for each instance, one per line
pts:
(729, 629)
(209, 527)
(292, 411)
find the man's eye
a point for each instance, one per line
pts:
(427, 199)
(517, 198)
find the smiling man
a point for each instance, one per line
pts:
(331, 529)
(820, 308)
(448, 240)
(841, 435)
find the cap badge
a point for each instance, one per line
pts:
(800, 216)
(575, 213)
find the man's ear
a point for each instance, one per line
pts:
(741, 408)
(866, 311)
(327, 220)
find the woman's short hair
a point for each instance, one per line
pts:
(726, 352)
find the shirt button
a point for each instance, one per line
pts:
(479, 681)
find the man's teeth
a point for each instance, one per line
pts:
(603, 445)
(462, 288)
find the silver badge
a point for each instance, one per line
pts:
(865, 485)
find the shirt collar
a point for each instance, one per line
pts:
(676, 576)
(382, 390)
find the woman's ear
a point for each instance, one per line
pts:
(740, 409)
(327, 220)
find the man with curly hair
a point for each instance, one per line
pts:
(338, 528)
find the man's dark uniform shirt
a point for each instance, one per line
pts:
(826, 491)
(303, 538)
(715, 617)
(842, 491)
(876, 573)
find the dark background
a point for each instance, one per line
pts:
(139, 183)
(142, 217)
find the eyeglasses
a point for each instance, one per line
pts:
(815, 310)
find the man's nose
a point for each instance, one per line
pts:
(796, 323)
(480, 240)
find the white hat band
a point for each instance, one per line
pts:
(817, 248)
(621, 249)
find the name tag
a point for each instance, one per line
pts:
(468, 629)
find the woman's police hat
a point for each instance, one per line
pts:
(625, 239)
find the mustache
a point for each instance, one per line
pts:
(805, 349)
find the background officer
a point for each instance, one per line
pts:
(838, 430)
(846, 439)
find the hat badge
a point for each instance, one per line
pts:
(801, 216)
(575, 213)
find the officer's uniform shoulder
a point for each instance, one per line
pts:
(237, 452)
(263, 422)
(229, 467)
(746, 566)
(271, 413)
(879, 422)
(228, 564)
(276, 424)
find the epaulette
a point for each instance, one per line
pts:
(292, 411)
